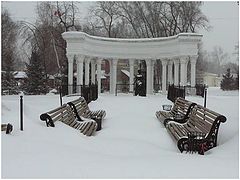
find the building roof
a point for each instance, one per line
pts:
(20, 75)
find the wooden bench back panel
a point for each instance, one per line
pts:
(80, 109)
(181, 106)
(63, 113)
(202, 118)
(81, 104)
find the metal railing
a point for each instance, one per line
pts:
(90, 92)
(182, 91)
(175, 91)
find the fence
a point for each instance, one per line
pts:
(175, 91)
(90, 93)
(182, 91)
(200, 88)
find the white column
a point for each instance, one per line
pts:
(70, 73)
(87, 61)
(183, 72)
(149, 76)
(193, 60)
(111, 77)
(176, 71)
(164, 75)
(152, 75)
(114, 75)
(99, 74)
(131, 77)
(170, 78)
(80, 59)
(93, 71)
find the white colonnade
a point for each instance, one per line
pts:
(174, 53)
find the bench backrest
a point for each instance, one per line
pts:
(63, 113)
(79, 105)
(207, 121)
(182, 106)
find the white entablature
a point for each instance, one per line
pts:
(183, 44)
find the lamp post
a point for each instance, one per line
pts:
(21, 111)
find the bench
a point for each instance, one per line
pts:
(7, 127)
(199, 133)
(81, 109)
(178, 113)
(66, 115)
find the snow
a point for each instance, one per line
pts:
(20, 75)
(78, 34)
(126, 72)
(132, 143)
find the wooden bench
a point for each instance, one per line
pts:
(81, 109)
(66, 115)
(179, 112)
(199, 133)
(7, 127)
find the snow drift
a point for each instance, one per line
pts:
(132, 143)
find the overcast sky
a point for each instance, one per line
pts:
(223, 17)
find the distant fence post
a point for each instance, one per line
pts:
(60, 93)
(21, 112)
(205, 97)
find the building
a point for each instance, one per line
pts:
(211, 79)
(20, 77)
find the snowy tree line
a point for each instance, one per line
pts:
(145, 19)
(45, 49)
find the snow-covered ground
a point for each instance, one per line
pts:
(132, 143)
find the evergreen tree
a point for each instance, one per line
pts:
(228, 82)
(9, 84)
(236, 85)
(36, 82)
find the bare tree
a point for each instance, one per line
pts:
(104, 15)
(9, 35)
(149, 19)
(66, 13)
(219, 57)
(9, 40)
(236, 52)
(53, 18)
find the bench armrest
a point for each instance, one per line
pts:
(45, 117)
